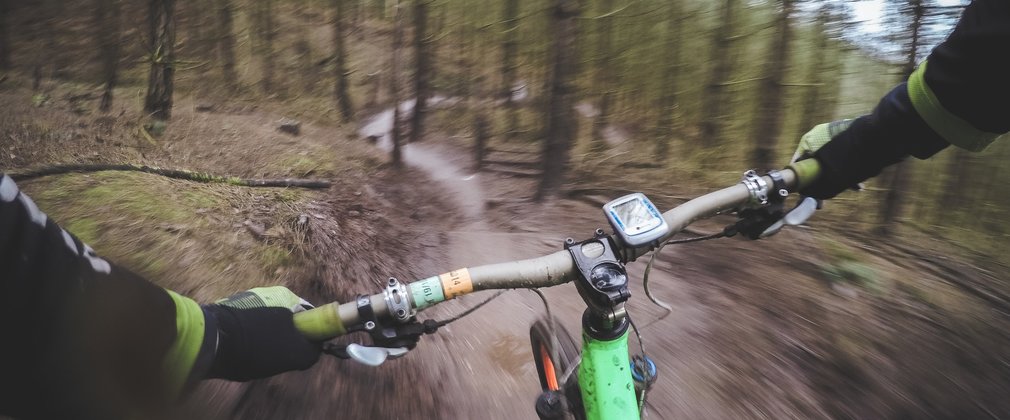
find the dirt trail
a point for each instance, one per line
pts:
(481, 347)
(487, 355)
(755, 332)
(751, 335)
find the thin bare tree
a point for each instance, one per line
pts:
(107, 24)
(713, 100)
(339, 63)
(770, 92)
(394, 86)
(422, 69)
(263, 22)
(894, 201)
(161, 79)
(509, 68)
(561, 124)
(225, 43)
(5, 38)
(671, 67)
(604, 72)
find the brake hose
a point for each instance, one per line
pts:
(652, 259)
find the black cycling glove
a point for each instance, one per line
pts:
(256, 335)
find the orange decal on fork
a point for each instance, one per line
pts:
(456, 283)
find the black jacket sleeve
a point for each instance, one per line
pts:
(970, 75)
(81, 338)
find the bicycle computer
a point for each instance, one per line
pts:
(635, 220)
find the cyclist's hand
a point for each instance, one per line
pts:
(266, 297)
(257, 336)
(812, 141)
(817, 137)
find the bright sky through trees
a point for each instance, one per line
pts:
(871, 15)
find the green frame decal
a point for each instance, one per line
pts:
(608, 390)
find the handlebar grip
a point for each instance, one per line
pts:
(322, 323)
(807, 171)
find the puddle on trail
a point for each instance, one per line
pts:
(461, 182)
(512, 354)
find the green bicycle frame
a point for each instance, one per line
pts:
(605, 381)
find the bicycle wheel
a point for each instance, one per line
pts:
(553, 355)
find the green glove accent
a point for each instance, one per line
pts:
(189, 324)
(949, 126)
(817, 137)
(807, 171)
(266, 297)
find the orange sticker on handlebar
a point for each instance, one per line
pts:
(456, 283)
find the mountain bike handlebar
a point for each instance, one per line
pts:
(399, 302)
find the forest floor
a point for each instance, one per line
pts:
(817, 322)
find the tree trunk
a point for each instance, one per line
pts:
(356, 13)
(895, 200)
(712, 101)
(54, 30)
(813, 107)
(561, 124)
(604, 74)
(510, 51)
(480, 137)
(339, 59)
(770, 103)
(269, 53)
(375, 81)
(422, 72)
(43, 25)
(467, 45)
(955, 188)
(671, 67)
(200, 33)
(394, 86)
(264, 25)
(5, 40)
(303, 48)
(161, 21)
(226, 43)
(107, 23)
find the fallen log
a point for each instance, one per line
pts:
(170, 173)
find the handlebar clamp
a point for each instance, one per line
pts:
(757, 187)
(404, 331)
(766, 207)
(397, 301)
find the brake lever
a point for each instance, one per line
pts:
(366, 355)
(390, 342)
(795, 217)
(769, 217)
(373, 356)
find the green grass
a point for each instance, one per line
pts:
(845, 264)
(181, 235)
(273, 257)
(86, 229)
(135, 195)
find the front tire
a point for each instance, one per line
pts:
(553, 354)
